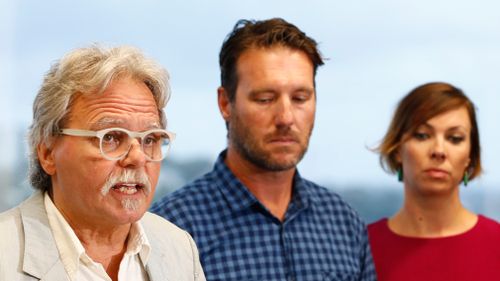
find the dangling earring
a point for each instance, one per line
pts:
(466, 178)
(400, 173)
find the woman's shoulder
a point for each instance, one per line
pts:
(378, 226)
(486, 224)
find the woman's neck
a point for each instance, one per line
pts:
(432, 216)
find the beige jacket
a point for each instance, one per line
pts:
(28, 250)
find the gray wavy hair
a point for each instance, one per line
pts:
(87, 71)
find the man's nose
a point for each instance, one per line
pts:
(135, 156)
(284, 112)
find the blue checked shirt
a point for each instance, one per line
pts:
(321, 238)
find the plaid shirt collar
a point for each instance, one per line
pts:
(239, 198)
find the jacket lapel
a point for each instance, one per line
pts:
(41, 257)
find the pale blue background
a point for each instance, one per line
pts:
(377, 51)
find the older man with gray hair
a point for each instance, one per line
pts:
(97, 140)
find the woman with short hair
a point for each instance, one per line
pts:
(432, 144)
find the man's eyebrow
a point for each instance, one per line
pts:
(106, 122)
(273, 91)
(305, 89)
(261, 91)
(154, 125)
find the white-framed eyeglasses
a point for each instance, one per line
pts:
(115, 143)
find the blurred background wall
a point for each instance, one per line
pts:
(377, 51)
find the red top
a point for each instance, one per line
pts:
(470, 256)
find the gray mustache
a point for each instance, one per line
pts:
(127, 176)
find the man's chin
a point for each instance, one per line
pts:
(286, 158)
(280, 163)
(272, 158)
(130, 217)
(130, 212)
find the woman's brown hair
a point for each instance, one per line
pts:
(420, 105)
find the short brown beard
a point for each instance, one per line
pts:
(243, 142)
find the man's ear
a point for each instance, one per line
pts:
(224, 103)
(46, 158)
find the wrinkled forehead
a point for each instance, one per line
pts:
(123, 103)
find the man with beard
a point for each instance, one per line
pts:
(97, 140)
(254, 217)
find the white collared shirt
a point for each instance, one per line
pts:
(80, 267)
